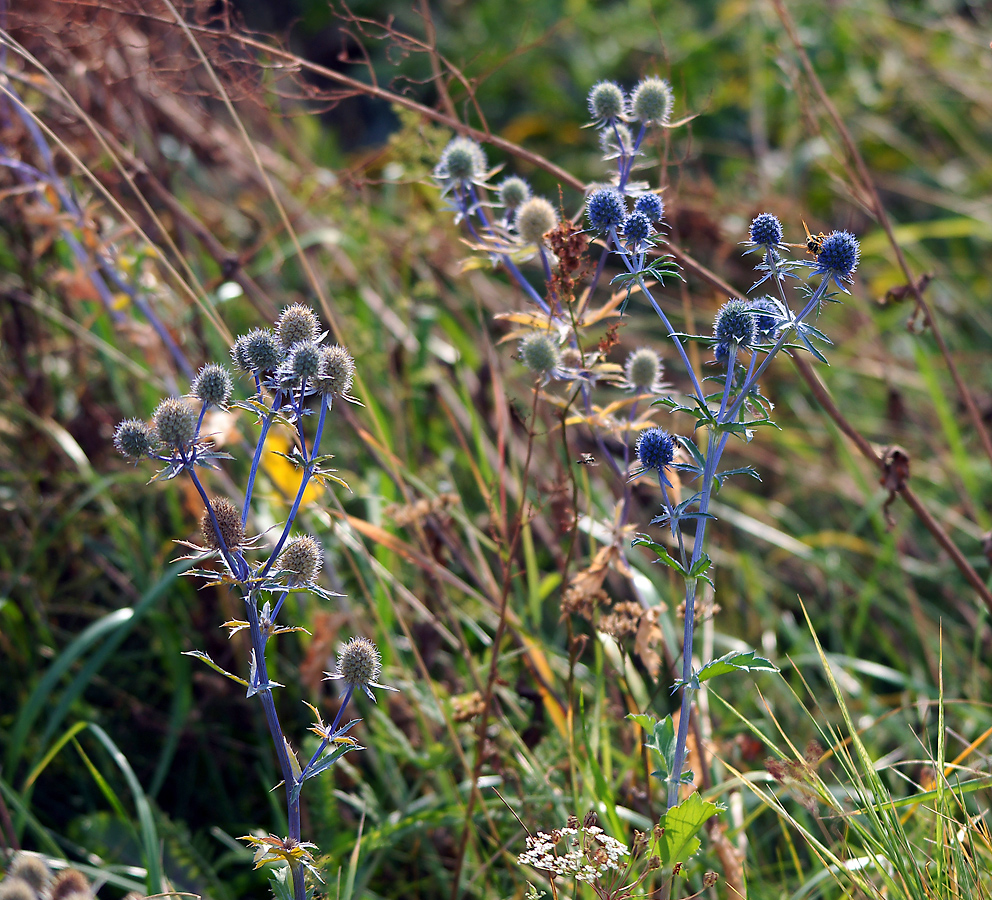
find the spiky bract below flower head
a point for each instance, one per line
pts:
(766, 230)
(134, 439)
(651, 205)
(175, 423)
(462, 161)
(513, 192)
(297, 323)
(229, 520)
(655, 448)
(539, 353)
(605, 209)
(607, 101)
(644, 370)
(651, 102)
(302, 559)
(616, 139)
(337, 371)
(535, 218)
(636, 228)
(213, 384)
(838, 257)
(734, 324)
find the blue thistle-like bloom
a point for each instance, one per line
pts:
(655, 448)
(651, 102)
(735, 324)
(605, 209)
(636, 228)
(721, 352)
(213, 384)
(607, 102)
(766, 230)
(766, 316)
(651, 205)
(513, 192)
(838, 257)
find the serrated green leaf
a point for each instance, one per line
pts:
(735, 661)
(680, 826)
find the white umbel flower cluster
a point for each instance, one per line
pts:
(588, 854)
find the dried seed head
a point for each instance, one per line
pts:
(69, 882)
(175, 423)
(302, 559)
(297, 323)
(337, 371)
(213, 384)
(535, 219)
(31, 869)
(229, 520)
(134, 439)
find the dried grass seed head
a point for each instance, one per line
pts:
(68, 883)
(13, 888)
(229, 521)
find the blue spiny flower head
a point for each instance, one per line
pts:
(734, 324)
(766, 317)
(462, 163)
(655, 449)
(605, 209)
(651, 205)
(513, 192)
(766, 231)
(297, 323)
(838, 257)
(135, 439)
(607, 102)
(636, 229)
(175, 423)
(651, 102)
(539, 353)
(213, 384)
(535, 219)
(721, 353)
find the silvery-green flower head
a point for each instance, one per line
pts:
(607, 102)
(212, 385)
(535, 218)
(540, 354)
(643, 371)
(462, 164)
(297, 323)
(135, 439)
(513, 192)
(651, 102)
(175, 423)
(359, 666)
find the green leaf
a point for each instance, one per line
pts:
(737, 660)
(662, 554)
(661, 739)
(680, 826)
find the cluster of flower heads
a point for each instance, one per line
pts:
(607, 213)
(29, 878)
(584, 853)
(650, 103)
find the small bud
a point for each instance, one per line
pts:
(606, 101)
(539, 353)
(302, 559)
(535, 219)
(651, 102)
(229, 520)
(605, 209)
(653, 863)
(213, 384)
(337, 371)
(134, 439)
(651, 205)
(297, 323)
(766, 230)
(734, 324)
(591, 820)
(175, 423)
(710, 878)
(513, 192)
(644, 370)
(572, 822)
(655, 448)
